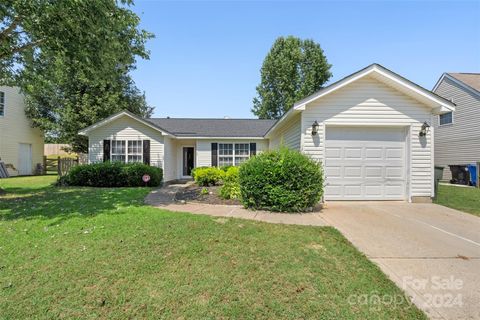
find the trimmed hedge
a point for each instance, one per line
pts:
(281, 180)
(112, 174)
(206, 176)
(231, 185)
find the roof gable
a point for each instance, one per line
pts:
(118, 115)
(468, 81)
(382, 74)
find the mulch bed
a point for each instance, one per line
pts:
(193, 193)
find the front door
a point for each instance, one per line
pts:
(188, 160)
(25, 159)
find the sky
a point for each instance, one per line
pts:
(206, 57)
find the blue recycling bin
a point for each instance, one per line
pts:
(472, 169)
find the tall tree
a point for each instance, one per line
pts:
(293, 69)
(72, 59)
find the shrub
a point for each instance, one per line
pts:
(205, 176)
(112, 174)
(231, 185)
(281, 180)
(225, 168)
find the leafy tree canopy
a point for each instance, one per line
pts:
(293, 69)
(72, 59)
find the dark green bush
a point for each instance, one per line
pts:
(206, 176)
(281, 180)
(112, 174)
(231, 185)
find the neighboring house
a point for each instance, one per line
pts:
(368, 130)
(21, 146)
(457, 133)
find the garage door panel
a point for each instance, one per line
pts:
(394, 172)
(352, 190)
(373, 190)
(394, 153)
(373, 172)
(352, 172)
(334, 153)
(333, 171)
(352, 153)
(365, 164)
(373, 153)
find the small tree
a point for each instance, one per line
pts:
(72, 59)
(293, 69)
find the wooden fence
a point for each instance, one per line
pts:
(59, 165)
(56, 149)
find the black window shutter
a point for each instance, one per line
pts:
(214, 154)
(106, 150)
(253, 149)
(146, 152)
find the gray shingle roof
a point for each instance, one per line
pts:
(184, 127)
(470, 79)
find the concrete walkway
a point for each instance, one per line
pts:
(165, 198)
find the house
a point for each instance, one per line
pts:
(370, 130)
(457, 134)
(21, 146)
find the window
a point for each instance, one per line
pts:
(2, 103)
(135, 151)
(225, 154)
(118, 150)
(230, 154)
(446, 118)
(242, 153)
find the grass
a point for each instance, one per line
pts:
(101, 253)
(463, 199)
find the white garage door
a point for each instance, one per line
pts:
(365, 163)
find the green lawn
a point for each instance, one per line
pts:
(89, 253)
(463, 199)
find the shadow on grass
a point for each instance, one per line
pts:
(61, 203)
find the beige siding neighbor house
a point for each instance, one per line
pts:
(21, 146)
(370, 130)
(457, 134)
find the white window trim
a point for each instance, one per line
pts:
(126, 154)
(233, 156)
(446, 124)
(4, 104)
(134, 154)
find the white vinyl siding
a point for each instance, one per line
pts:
(126, 129)
(369, 102)
(288, 134)
(458, 143)
(16, 129)
(170, 163)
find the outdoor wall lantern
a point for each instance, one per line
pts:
(424, 130)
(315, 126)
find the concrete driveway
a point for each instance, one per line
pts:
(430, 251)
